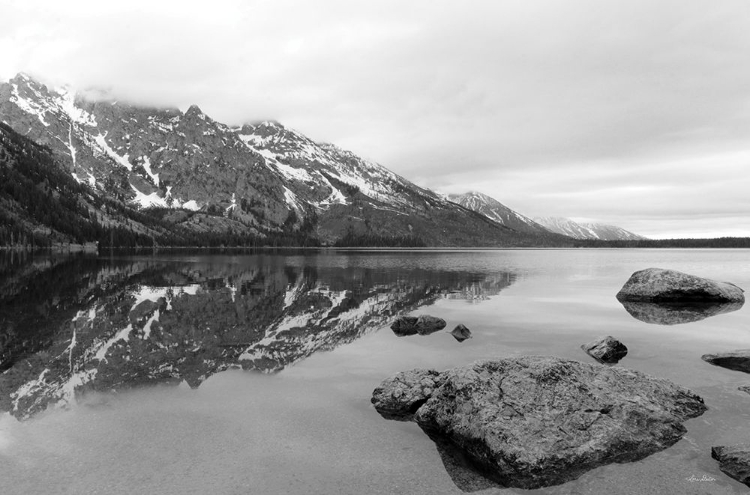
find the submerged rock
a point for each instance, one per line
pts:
(677, 313)
(735, 360)
(734, 461)
(422, 325)
(606, 350)
(538, 421)
(461, 333)
(659, 285)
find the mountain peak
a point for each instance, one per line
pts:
(495, 210)
(194, 110)
(21, 76)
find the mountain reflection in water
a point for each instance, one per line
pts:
(70, 325)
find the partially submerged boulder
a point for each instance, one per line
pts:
(659, 285)
(422, 325)
(735, 360)
(461, 333)
(400, 396)
(607, 350)
(538, 421)
(734, 461)
(676, 313)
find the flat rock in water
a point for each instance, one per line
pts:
(461, 333)
(422, 325)
(734, 461)
(659, 285)
(538, 421)
(606, 350)
(735, 360)
(677, 313)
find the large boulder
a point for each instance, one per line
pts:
(606, 350)
(537, 421)
(422, 325)
(734, 360)
(677, 313)
(659, 285)
(734, 461)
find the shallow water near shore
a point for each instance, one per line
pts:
(253, 373)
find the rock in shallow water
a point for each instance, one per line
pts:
(606, 350)
(461, 333)
(537, 421)
(659, 285)
(734, 461)
(734, 360)
(422, 325)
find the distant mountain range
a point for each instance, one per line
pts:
(493, 209)
(194, 177)
(78, 170)
(568, 227)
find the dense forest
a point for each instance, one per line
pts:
(373, 240)
(720, 242)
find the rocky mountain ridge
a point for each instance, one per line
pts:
(576, 230)
(496, 211)
(255, 179)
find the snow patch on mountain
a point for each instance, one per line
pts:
(106, 149)
(147, 168)
(148, 200)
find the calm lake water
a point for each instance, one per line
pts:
(237, 374)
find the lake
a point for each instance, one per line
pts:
(252, 373)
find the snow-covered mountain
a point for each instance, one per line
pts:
(495, 210)
(255, 178)
(576, 230)
(498, 212)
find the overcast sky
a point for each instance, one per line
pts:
(633, 113)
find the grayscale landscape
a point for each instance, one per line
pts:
(374, 248)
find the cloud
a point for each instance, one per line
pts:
(616, 110)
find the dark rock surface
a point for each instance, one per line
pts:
(538, 421)
(606, 350)
(734, 461)
(461, 333)
(744, 388)
(422, 325)
(659, 285)
(401, 395)
(677, 313)
(736, 360)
